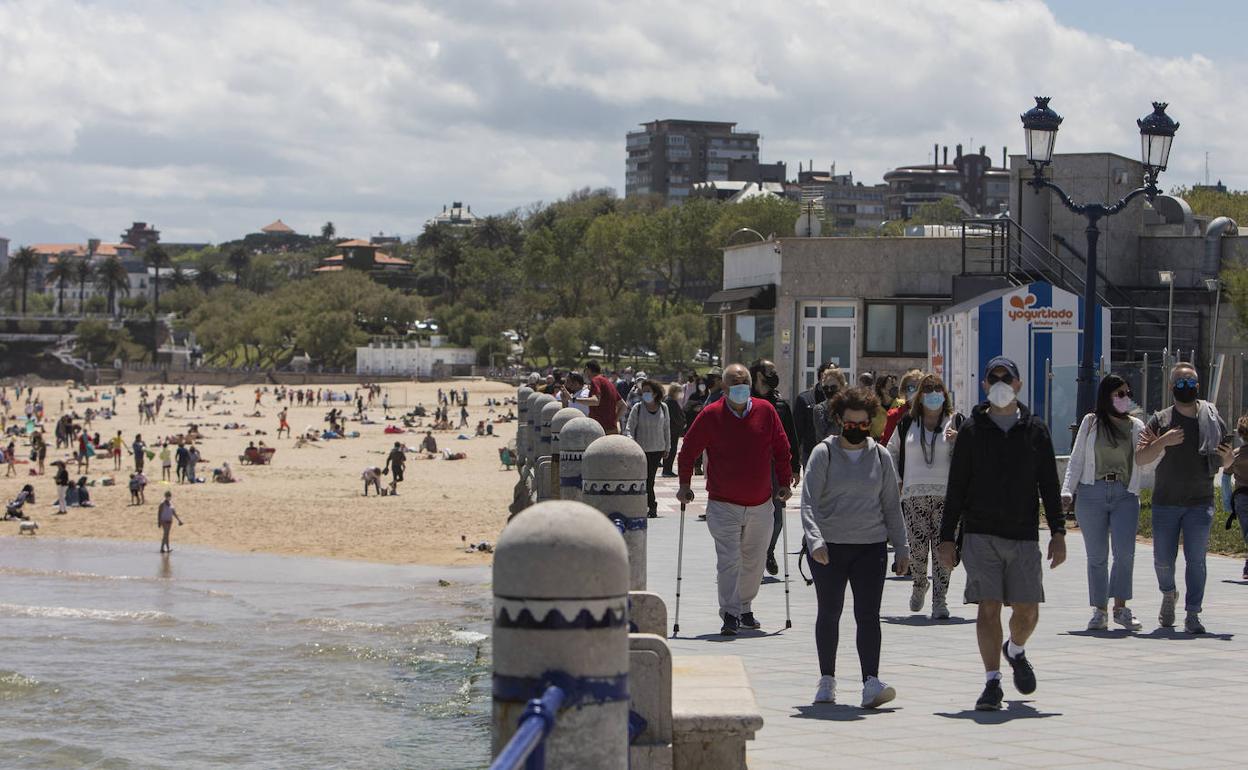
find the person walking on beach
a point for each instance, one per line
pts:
(922, 447)
(138, 449)
(116, 447)
(396, 461)
(282, 424)
(165, 461)
(1188, 437)
(192, 459)
(649, 425)
(1002, 466)
(10, 459)
(165, 516)
(850, 511)
(1102, 487)
(62, 485)
(744, 440)
(181, 456)
(40, 449)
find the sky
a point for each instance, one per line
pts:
(212, 118)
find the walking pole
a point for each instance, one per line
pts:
(784, 538)
(680, 555)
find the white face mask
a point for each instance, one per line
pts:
(1001, 395)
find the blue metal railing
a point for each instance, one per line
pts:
(527, 747)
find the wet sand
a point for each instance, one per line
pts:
(308, 501)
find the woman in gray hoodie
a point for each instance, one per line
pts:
(850, 507)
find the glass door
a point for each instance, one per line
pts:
(829, 335)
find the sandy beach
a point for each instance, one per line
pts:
(309, 500)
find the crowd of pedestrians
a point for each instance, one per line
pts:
(889, 462)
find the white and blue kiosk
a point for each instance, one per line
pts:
(1040, 327)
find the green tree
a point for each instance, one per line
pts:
(238, 261)
(112, 278)
(23, 261)
(945, 211)
(100, 342)
(327, 231)
(769, 215)
(62, 273)
(82, 273)
(206, 277)
(566, 339)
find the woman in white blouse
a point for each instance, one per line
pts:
(922, 447)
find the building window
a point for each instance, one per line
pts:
(753, 336)
(897, 328)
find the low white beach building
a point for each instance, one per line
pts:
(412, 358)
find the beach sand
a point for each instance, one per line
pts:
(309, 500)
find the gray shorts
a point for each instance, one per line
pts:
(1002, 570)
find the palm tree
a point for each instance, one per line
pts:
(155, 257)
(327, 231)
(238, 261)
(82, 272)
(61, 273)
(207, 277)
(434, 239)
(112, 277)
(24, 260)
(178, 278)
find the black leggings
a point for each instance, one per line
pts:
(653, 461)
(863, 567)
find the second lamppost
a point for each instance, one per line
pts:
(1040, 125)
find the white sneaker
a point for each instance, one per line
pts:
(918, 595)
(1125, 618)
(827, 690)
(875, 693)
(1099, 621)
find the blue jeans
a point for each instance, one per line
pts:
(1194, 522)
(1240, 502)
(1109, 517)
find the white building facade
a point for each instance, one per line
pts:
(410, 359)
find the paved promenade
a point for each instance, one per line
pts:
(1157, 698)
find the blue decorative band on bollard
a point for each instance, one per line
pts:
(622, 488)
(579, 690)
(627, 524)
(570, 481)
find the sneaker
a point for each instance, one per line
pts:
(1024, 674)
(940, 611)
(827, 690)
(1166, 616)
(875, 693)
(1099, 621)
(652, 514)
(990, 699)
(772, 566)
(1192, 624)
(731, 625)
(918, 595)
(701, 517)
(747, 621)
(1124, 617)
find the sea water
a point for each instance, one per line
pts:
(112, 656)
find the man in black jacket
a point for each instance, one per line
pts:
(803, 414)
(766, 380)
(1002, 463)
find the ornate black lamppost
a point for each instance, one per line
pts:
(1156, 134)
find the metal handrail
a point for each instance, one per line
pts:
(528, 746)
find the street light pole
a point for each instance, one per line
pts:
(1214, 285)
(1167, 277)
(1040, 125)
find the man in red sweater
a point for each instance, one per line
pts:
(744, 440)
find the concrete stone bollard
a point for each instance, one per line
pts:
(532, 415)
(613, 471)
(561, 618)
(561, 418)
(522, 419)
(575, 437)
(533, 440)
(541, 478)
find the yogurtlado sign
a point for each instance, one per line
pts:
(1036, 325)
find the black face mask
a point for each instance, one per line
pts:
(893, 391)
(771, 379)
(830, 390)
(855, 435)
(1184, 395)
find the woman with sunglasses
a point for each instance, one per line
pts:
(922, 447)
(1102, 485)
(850, 508)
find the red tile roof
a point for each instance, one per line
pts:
(356, 244)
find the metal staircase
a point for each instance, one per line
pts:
(1001, 247)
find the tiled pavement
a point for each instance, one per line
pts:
(1156, 698)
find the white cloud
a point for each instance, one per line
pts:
(211, 119)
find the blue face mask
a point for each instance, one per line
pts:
(739, 394)
(647, 397)
(933, 401)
